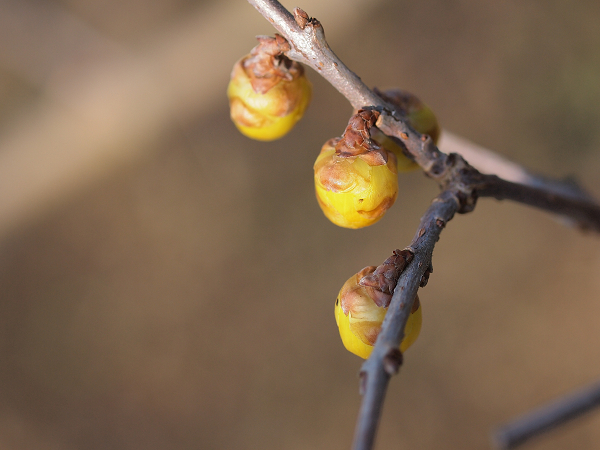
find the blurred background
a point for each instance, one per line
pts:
(167, 283)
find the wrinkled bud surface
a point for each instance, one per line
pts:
(419, 116)
(359, 317)
(385, 276)
(355, 179)
(268, 93)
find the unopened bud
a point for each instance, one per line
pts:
(360, 310)
(268, 93)
(356, 179)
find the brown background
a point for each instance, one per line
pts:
(166, 283)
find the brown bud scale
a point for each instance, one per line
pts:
(385, 277)
(267, 64)
(356, 140)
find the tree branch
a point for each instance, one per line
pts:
(307, 39)
(547, 417)
(579, 211)
(460, 182)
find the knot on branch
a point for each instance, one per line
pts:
(392, 361)
(362, 382)
(453, 174)
(461, 178)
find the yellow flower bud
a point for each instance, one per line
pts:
(418, 115)
(359, 317)
(355, 180)
(268, 93)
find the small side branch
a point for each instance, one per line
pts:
(580, 211)
(547, 418)
(385, 360)
(488, 162)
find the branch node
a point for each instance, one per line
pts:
(459, 177)
(467, 199)
(392, 361)
(362, 382)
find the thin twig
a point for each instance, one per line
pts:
(491, 163)
(547, 417)
(578, 211)
(385, 360)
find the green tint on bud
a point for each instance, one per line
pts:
(268, 93)
(356, 179)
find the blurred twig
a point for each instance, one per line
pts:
(491, 163)
(101, 111)
(39, 39)
(548, 417)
